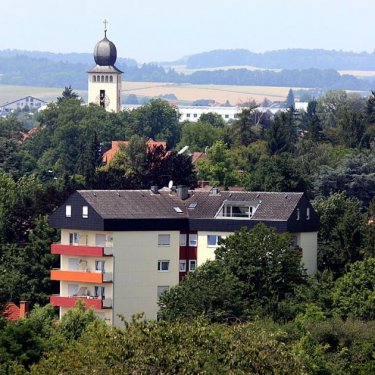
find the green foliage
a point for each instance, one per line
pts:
(179, 347)
(282, 135)
(277, 173)
(76, 321)
(354, 293)
(290, 103)
(213, 119)
(218, 169)
(157, 120)
(199, 135)
(253, 271)
(342, 233)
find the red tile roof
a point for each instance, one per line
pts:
(108, 155)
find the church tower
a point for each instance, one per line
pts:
(104, 87)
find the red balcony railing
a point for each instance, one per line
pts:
(96, 303)
(93, 251)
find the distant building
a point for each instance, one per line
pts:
(28, 101)
(192, 113)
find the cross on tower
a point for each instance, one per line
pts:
(105, 27)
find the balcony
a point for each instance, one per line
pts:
(81, 276)
(94, 302)
(80, 250)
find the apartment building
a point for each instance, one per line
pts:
(120, 250)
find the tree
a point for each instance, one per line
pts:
(68, 93)
(219, 168)
(354, 293)
(282, 135)
(212, 118)
(290, 103)
(157, 120)
(199, 135)
(342, 234)
(311, 122)
(254, 270)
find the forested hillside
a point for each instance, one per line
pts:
(284, 59)
(50, 70)
(251, 310)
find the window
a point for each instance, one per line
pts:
(163, 265)
(74, 238)
(85, 212)
(182, 239)
(307, 213)
(164, 239)
(238, 209)
(94, 78)
(182, 265)
(192, 265)
(177, 209)
(192, 205)
(99, 265)
(68, 211)
(188, 115)
(226, 116)
(73, 264)
(298, 214)
(162, 289)
(100, 240)
(195, 115)
(111, 79)
(212, 240)
(72, 290)
(193, 239)
(99, 291)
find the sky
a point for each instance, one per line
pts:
(166, 30)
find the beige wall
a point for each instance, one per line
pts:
(206, 252)
(87, 238)
(136, 277)
(308, 241)
(112, 90)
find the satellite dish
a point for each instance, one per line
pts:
(170, 184)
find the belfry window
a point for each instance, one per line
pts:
(94, 78)
(106, 78)
(111, 79)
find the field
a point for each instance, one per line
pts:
(219, 93)
(358, 73)
(183, 69)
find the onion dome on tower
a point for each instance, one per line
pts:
(105, 52)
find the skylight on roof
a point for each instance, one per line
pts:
(177, 209)
(192, 205)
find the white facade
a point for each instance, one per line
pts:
(192, 113)
(28, 101)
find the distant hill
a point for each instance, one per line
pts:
(58, 70)
(283, 59)
(73, 58)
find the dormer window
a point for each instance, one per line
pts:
(238, 210)
(85, 212)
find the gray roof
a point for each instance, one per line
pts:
(105, 69)
(142, 204)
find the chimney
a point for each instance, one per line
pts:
(182, 192)
(24, 309)
(154, 189)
